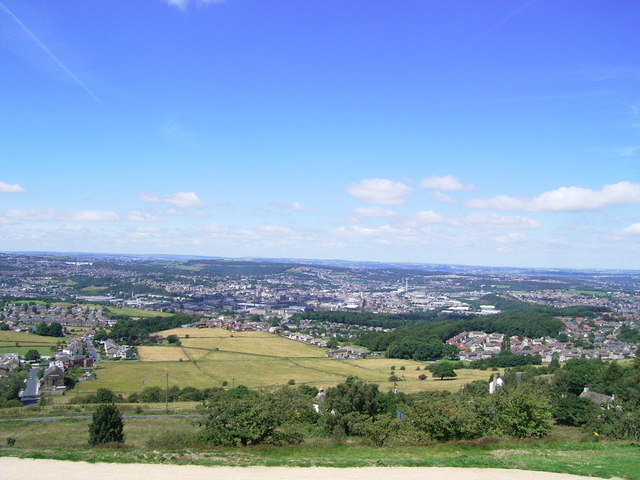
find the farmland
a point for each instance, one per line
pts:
(21, 343)
(209, 357)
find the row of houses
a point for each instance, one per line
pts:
(348, 353)
(480, 346)
(304, 338)
(113, 350)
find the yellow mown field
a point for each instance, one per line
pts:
(256, 343)
(161, 354)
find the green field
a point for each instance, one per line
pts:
(26, 342)
(136, 312)
(565, 451)
(589, 292)
(212, 356)
(132, 312)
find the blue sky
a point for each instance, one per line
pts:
(501, 133)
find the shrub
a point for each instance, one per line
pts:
(443, 419)
(234, 418)
(521, 412)
(104, 395)
(106, 426)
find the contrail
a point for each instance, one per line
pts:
(496, 25)
(51, 55)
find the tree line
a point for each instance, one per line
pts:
(531, 401)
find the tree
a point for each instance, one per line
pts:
(173, 339)
(332, 343)
(446, 418)
(32, 355)
(106, 426)
(442, 370)
(42, 329)
(55, 330)
(521, 412)
(354, 396)
(152, 395)
(104, 395)
(246, 418)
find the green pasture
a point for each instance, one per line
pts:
(7, 336)
(589, 292)
(25, 342)
(43, 350)
(564, 451)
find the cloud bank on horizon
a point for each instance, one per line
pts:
(420, 132)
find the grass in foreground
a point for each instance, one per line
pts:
(565, 451)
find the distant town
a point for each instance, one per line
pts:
(270, 296)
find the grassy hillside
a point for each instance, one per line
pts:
(21, 342)
(255, 343)
(565, 451)
(209, 357)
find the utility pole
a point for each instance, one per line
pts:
(166, 395)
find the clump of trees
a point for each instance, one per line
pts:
(527, 406)
(32, 355)
(136, 332)
(617, 417)
(10, 385)
(240, 416)
(53, 329)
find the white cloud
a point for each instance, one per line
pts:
(566, 199)
(447, 183)
(275, 230)
(380, 191)
(557, 242)
(30, 215)
(626, 151)
(181, 4)
(180, 199)
(137, 216)
(442, 197)
(512, 237)
(293, 206)
(385, 234)
(373, 212)
(490, 219)
(428, 216)
(145, 232)
(184, 4)
(631, 229)
(11, 188)
(93, 216)
(49, 214)
(183, 213)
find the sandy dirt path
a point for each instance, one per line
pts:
(27, 469)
